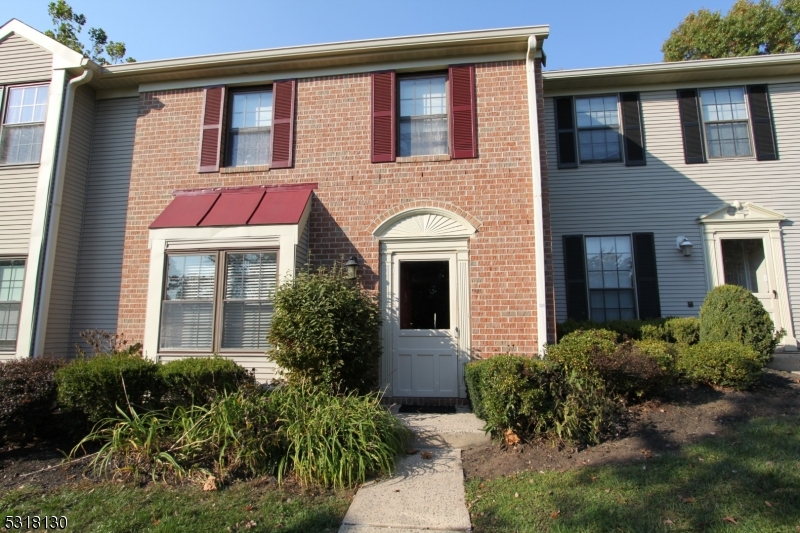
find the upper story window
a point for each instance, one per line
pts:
(726, 123)
(207, 309)
(598, 129)
(719, 123)
(423, 116)
(12, 274)
(23, 125)
(250, 127)
(433, 115)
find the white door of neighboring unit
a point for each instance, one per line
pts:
(747, 260)
(425, 326)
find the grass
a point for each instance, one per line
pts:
(124, 508)
(746, 480)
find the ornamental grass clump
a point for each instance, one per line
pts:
(337, 440)
(732, 313)
(325, 331)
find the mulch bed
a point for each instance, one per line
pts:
(682, 415)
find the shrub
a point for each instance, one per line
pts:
(576, 350)
(28, 397)
(95, 386)
(583, 410)
(651, 332)
(326, 331)
(199, 379)
(512, 392)
(236, 434)
(724, 363)
(337, 440)
(732, 313)
(625, 329)
(629, 371)
(683, 330)
(473, 376)
(662, 352)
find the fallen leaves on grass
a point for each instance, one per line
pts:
(768, 504)
(687, 499)
(511, 438)
(730, 520)
(555, 514)
(210, 484)
(668, 522)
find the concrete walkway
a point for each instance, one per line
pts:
(427, 492)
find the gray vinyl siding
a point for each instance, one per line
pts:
(666, 197)
(265, 370)
(17, 195)
(69, 227)
(21, 61)
(97, 289)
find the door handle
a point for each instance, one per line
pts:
(774, 293)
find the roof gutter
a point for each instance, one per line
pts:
(54, 214)
(538, 216)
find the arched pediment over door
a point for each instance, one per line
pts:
(421, 223)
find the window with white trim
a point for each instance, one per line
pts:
(218, 301)
(609, 265)
(12, 276)
(598, 125)
(423, 116)
(250, 128)
(23, 125)
(727, 127)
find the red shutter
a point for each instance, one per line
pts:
(282, 138)
(383, 117)
(463, 132)
(211, 131)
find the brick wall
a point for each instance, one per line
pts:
(332, 148)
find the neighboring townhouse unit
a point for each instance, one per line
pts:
(192, 187)
(34, 99)
(669, 179)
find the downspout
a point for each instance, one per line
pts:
(538, 217)
(54, 215)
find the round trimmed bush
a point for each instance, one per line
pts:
(576, 350)
(724, 363)
(200, 379)
(326, 331)
(95, 386)
(732, 313)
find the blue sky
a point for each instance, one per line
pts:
(583, 33)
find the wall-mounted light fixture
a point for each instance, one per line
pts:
(684, 245)
(351, 268)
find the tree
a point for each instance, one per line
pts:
(69, 24)
(750, 28)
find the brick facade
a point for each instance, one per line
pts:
(332, 148)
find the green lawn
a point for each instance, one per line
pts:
(750, 476)
(118, 508)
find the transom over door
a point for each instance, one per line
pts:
(424, 328)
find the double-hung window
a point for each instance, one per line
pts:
(23, 125)
(250, 128)
(217, 302)
(12, 274)
(609, 265)
(726, 123)
(598, 129)
(423, 116)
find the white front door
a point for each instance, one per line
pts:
(747, 261)
(424, 326)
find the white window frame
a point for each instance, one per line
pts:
(5, 93)
(421, 76)
(229, 129)
(633, 275)
(21, 299)
(748, 121)
(578, 129)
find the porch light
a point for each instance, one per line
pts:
(684, 245)
(351, 268)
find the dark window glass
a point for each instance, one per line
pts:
(424, 295)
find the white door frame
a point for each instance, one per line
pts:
(424, 231)
(750, 221)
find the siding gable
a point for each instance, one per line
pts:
(23, 61)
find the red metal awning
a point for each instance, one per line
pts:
(236, 206)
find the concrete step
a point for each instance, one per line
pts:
(459, 430)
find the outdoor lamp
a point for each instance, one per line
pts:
(684, 245)
(351, 268)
